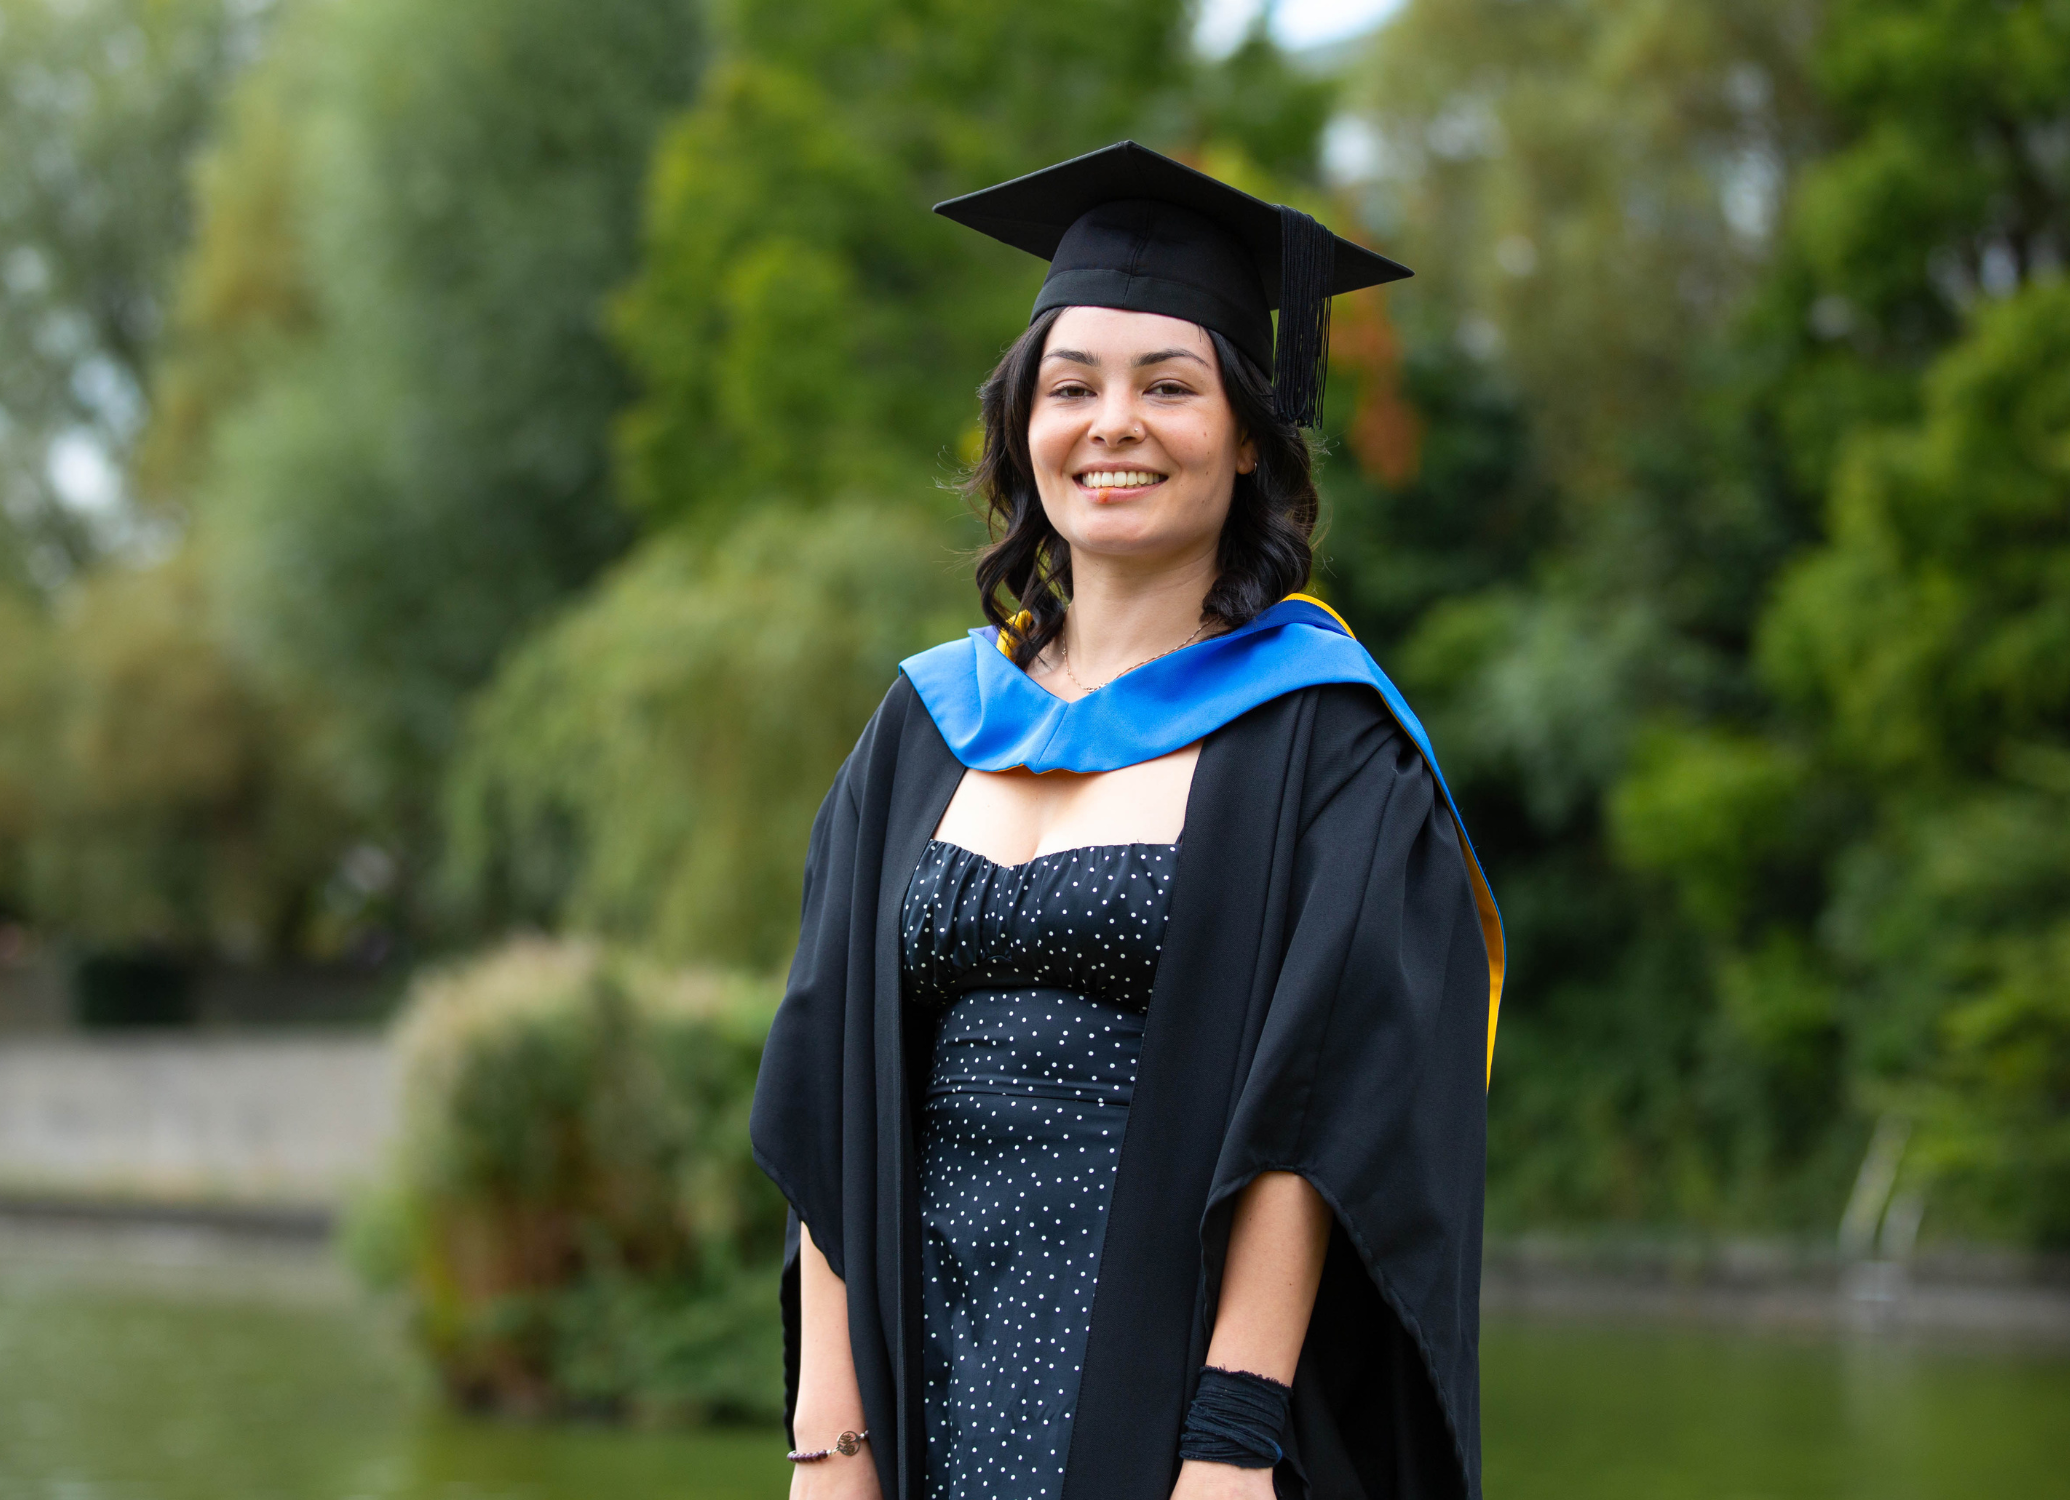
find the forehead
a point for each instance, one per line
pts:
(1113, 333)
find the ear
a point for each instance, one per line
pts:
(1246, 455)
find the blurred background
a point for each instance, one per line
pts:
(467, 472)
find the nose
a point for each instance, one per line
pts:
(1117, 424)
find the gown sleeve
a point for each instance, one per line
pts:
(797, 1106)
(830, 1121)
(1368, 1080)
(795, 1123)
(816, 1087)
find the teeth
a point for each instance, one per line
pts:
(1120, 479)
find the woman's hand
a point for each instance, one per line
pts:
(1205, 1481)
(844, 1476)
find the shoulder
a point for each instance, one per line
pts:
(1329, 742)
(899, 732)
(899, 702)
(1329, 722)
(892, 718)
(1353, 714)
(1358, 747)
(897, 714)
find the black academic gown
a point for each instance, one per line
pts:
(1321, 1008)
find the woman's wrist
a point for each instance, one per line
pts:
(1236, 1418)
(1199, 1480)
(811, 1433)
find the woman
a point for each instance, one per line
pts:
(1128, 1087)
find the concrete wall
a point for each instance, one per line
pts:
(266, 1121)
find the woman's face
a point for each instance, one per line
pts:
(1135, 447)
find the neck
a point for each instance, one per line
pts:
(1125, 611)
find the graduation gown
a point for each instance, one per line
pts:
(1322, 1007)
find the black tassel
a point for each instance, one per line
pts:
(1301, 351)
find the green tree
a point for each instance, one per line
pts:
(162, 802)
(1883, 867)
(102, 106)
(1261, 102)
(1928, 646)
(27, 684)
(1558, 524)
(1867, 846)
(391, 392)
(1948, 187)
(649, 766)
(802, 327)
(150, 790)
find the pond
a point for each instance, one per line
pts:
(270, 1381)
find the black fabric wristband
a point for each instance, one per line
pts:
(1236, 1418)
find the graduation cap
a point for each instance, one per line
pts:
(1125, 227)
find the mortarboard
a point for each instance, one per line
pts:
(1125, 227)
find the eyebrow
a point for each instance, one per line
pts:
(1080, 357)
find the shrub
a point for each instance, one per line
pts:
(573, 1212)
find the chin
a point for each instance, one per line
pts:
(1134, 545)
(1118, 530)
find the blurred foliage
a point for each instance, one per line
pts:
(1949, 186)
(573, 1212)
(1899, 829)
(1433, 494)
(102, 104)
(1587, 192)
(803, 329)
(166, 814)
(1754, 724)
(389, 387)
(150, 798)
(1560, 523)
(380, 412)
(28, 682)
(1907, 850)
(1264, 105)
(649, 768)
(382, 415)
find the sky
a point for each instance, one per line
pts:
(1295, 23)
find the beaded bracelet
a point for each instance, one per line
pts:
(848, 1444)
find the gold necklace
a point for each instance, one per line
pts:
(1064, 660)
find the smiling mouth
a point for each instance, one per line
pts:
(1120, 479)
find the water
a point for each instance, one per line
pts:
(176, 1368)
(176, 1379)
(1573, 1412)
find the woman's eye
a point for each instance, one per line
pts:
(1169, 388)
(1071, 391)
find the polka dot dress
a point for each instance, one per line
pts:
(1039, 975)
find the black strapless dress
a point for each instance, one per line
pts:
(1039, 975)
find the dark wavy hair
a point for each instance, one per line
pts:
(1265, 552)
